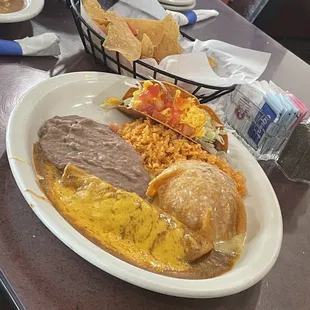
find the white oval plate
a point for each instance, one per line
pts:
(32, 8)
(179, 8)
(81, 93)
(178, 2)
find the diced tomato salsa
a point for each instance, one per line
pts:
(154, 101)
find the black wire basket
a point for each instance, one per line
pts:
(93, 44)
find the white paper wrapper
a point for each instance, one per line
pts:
(145, 9)
(235, 65)
(200, 15)
(46, 44)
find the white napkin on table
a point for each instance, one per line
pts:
(193, 16)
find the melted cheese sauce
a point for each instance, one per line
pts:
(119, 221)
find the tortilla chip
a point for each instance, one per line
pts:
(95, 12)
(212, 62)
(147, 47)
(154, 29)
(169, 45)
(92, 4)
(120, 38)
(104, 29)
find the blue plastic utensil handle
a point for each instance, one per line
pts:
(10, 48)
(191, 16)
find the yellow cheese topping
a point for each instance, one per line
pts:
(112, 102)
(135, 102)
(196, 118)
(121, 222)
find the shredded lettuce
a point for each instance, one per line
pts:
(213, 132)
(209, 147)
(161, 84)
(127, 102)
(136, 85)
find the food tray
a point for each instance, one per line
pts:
(93, 44)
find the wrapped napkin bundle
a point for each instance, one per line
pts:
(46, 44)
(192, 17)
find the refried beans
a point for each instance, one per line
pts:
(96, 149)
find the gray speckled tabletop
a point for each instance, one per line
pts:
(45, 274)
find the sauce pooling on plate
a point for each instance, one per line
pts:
(10, 6)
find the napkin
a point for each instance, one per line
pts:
(46, 44)
(192, 17)
(150, 9)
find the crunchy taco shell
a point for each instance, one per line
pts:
(171, 88)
